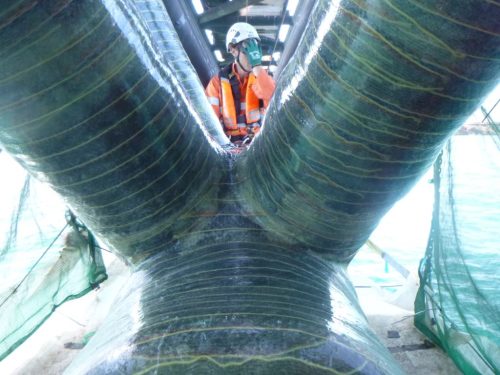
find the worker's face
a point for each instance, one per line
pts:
(243, 57)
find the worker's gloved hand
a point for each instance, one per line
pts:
(253, 52)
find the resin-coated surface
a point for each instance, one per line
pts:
(238, 259)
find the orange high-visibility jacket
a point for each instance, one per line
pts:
(255, 94)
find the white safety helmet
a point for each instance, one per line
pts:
(239, 32)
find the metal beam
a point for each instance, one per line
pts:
(192, 38)
(223, 24)
(283, 15)
(225, 9)
(302, 13)
(269, 20)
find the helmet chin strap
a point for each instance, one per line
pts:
(239, 62)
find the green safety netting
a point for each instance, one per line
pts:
(458, 303)
(46, 256)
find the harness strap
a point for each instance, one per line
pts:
(235, 88)
(226, 74)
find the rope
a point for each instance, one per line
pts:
(277, 35)
(487, 115)
(102, 248)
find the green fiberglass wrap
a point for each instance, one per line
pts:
(377, 89)
(458, 301)
(108, 124)
(239, 260)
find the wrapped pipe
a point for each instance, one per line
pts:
(239, 261)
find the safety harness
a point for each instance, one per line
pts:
(236, 123)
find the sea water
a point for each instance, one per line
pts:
(404, 231)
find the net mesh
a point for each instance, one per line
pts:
(458, 303)
(46, 256)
